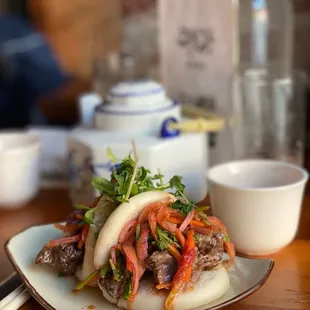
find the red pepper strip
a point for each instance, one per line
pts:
(190, 242)
(132, 265)
(127, 231)
(92, 277)
(162, 217)
(180, 277)
(142, 244)
(164, 286)
(179, 235)
(187, 220)
(113, 255)
(153, 207)
(83, 236)
(207, 231)
(152, 223)
(65, 240)
(68, 228)
(174, 252)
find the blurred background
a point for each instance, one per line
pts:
(79, 33)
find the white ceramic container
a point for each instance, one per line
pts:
(19, 168)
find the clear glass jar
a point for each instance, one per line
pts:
(269, 117)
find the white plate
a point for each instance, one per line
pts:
(52, 292)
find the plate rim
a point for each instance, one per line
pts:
(48, 306)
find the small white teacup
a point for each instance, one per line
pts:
(19, 168)
(259, 201)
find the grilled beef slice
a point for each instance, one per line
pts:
(163, 265)
(209, 250)
(65, 258)
(114, 288)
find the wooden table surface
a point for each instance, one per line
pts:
(287, 288)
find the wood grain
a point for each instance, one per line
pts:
(287, 288)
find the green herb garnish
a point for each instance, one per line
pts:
(104, 271)
(226, 238)
(83, 283)
(202, 209)
(184, 207)
(103, 185)
(195, 238)
(129, 180)
(128, 289)
(81, 207)
(111, 156)
(89, 216)
(117, 273)
(97, 234)
(138, 231)
(164, 238)
(61, 274)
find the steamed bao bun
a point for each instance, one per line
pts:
(211, 285)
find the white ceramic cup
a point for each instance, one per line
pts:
(259, 201)
(19, 168)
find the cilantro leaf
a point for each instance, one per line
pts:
(138, 232)
(129, 180)
(128, 289)
(117, 274)
(104, 271)
(183, 207)
(81, 207)
(111, 156)
(176, 183)
(89, 216)
(103, 185)
(164, 238)
(97, 234)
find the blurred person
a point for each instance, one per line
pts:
(29, 71)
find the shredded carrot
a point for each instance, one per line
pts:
(188, 274)
(197, 223)
(179, 235)
(164, 286)
(175, 220)
(174, 252)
